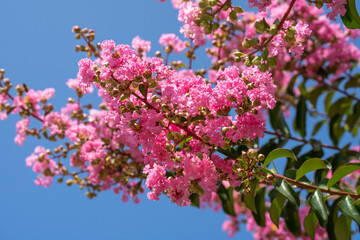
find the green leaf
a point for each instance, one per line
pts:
(230, 152)
(300, 119)
(287, 191)
(354, 82)
(142, 89)
(335, 130)
(249, 199)
(351, 18)
(342, 172)
(341, 106)
(278, 153)
(291, 173)
(290, 214)
(226, 197)
(195, 200)
(310, 224)
(290, 88)
(265, 54)
(314, 94)
(197, 117)
(327, 101)
(316, 202)
(276, 207)
(353, 118)
(260, 207)
(318, 126)
(348, 208)
(343, 228)
(268, 147)
(312, 164)
(277, 119)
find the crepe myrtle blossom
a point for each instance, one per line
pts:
(191, 135)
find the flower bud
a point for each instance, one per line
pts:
(257, 61)
(76, 29)
(259, 26)
(248, 62)
(290, 32)
(273, 30)
(246, 44)
(202, 4)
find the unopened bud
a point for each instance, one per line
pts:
(259, 26)
(76, 29)
(273, 30)
(261, 157)
(290, 32)
(270, 177)
(257, 61)
(246, 44)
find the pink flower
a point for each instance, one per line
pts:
(141, 45)
(260, 4)
(337, 7)
(21, 128)
(86, 74)
(74, 84)
(172, 41)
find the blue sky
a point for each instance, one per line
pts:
(37, 48)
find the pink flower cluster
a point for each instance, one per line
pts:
(159, 109)
(21, 128)
(188, 11)
(3, 100)
(279, 42)
(42, 164)
(337, 7)
(172, 41)
(260, 4)
(142, 46)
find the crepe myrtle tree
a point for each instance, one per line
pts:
(196, 135)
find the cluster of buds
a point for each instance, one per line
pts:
(209, 9)
(246, 167)
(88, 36)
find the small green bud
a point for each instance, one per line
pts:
(213, 2)
(257, 61)
(290, 32)
(273, 30)
(248, 62)
(202, 4)
(259, 26)
(246, 44)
